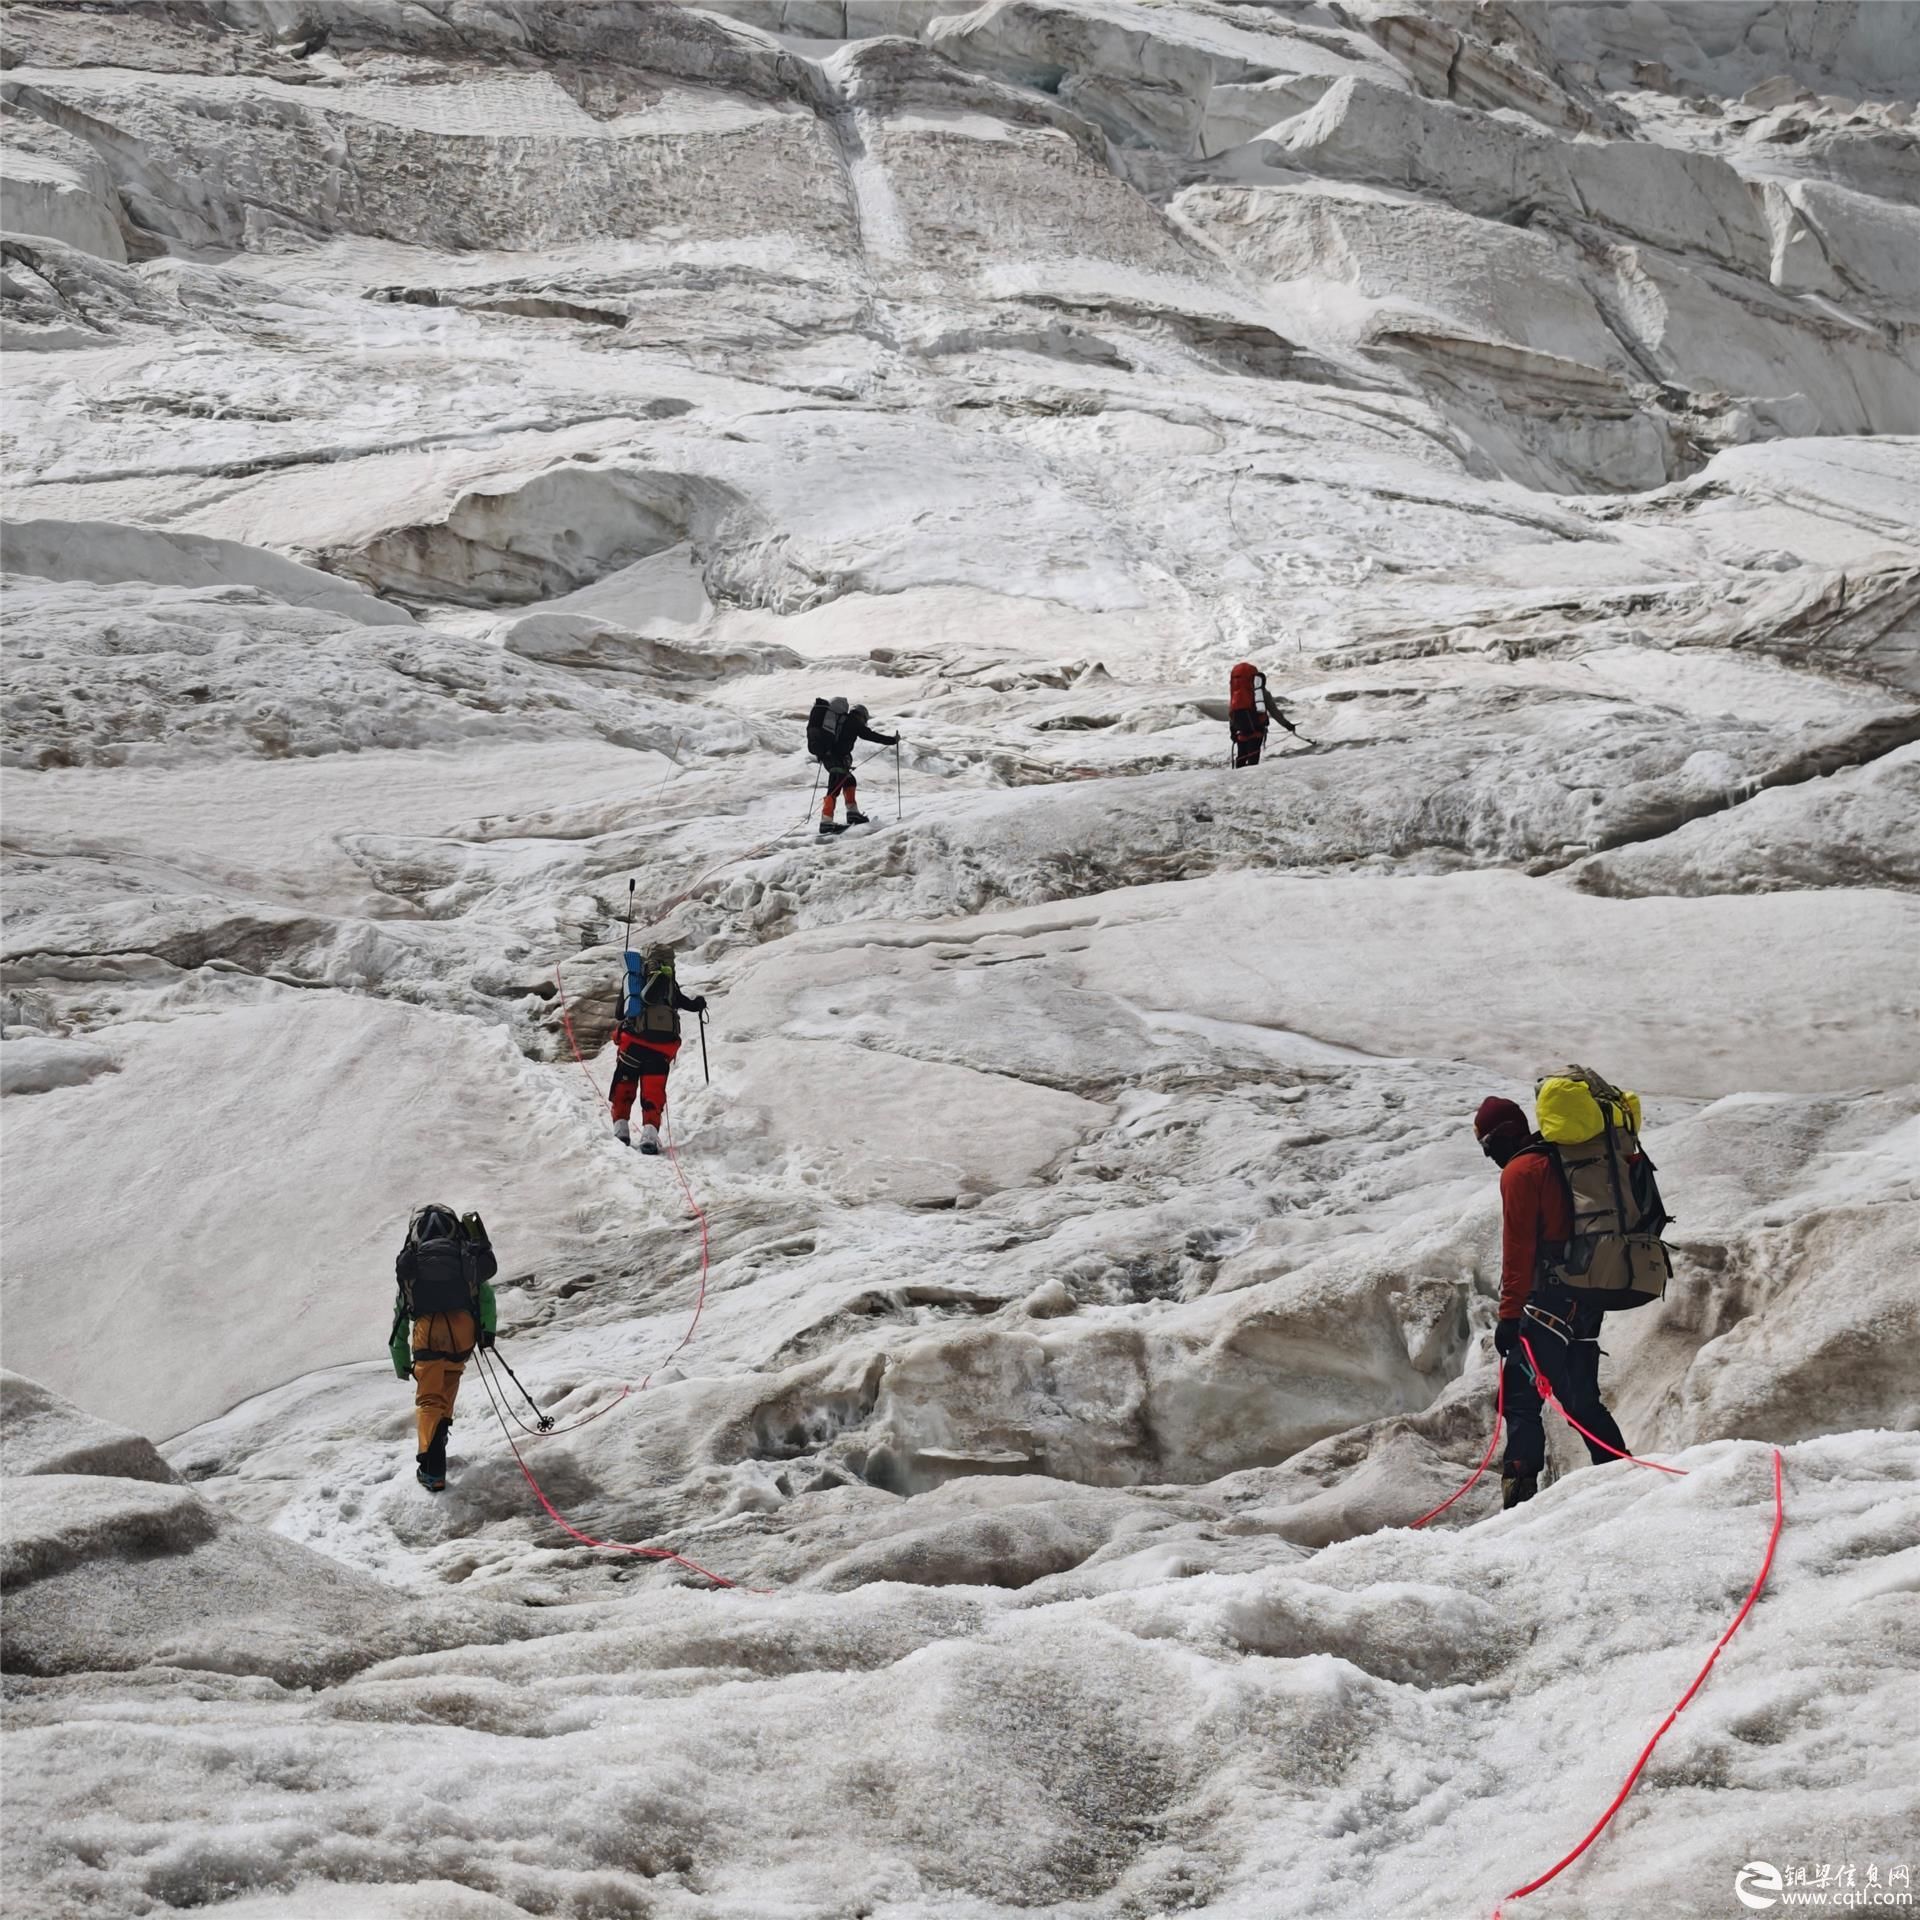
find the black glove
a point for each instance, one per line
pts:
(889, 739)
(1506, 1336)
(697, 1001)
(472, 1225)
(485, 1338)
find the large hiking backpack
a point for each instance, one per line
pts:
(1614, 1255)
(817, 728)
(1245, 714)
(646, 1005)
(439, 1278)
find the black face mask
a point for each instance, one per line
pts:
(1500, 1145)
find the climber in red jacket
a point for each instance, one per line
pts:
(1563, 1330)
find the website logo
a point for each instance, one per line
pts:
(1758, 1885)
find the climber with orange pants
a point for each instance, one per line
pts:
(648, 1038)
(834, 729)
(1249, 707)
(444, 1310)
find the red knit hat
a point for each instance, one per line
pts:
(1496, 1115)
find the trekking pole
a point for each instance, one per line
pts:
(704, 1069)
(545, 1419)
(811, 791)
(626, 939)
(896, 779)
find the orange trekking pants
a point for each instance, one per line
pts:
(441, 1344)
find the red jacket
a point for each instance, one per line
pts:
(1534, 1215)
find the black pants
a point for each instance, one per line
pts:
(1249, 736)
(1572, 1370)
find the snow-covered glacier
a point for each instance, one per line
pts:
(449, 444)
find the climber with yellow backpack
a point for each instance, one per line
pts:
(1581, 1218)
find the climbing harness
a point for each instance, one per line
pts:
(1699, 1680)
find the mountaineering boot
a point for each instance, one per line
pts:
(649, 1138)
(1517, 1488)
(831, 826)
(620, 1132)
(855, 818)
(432, 1472)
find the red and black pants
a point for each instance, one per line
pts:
(643, 1067)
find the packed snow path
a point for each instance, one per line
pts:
(447, 451)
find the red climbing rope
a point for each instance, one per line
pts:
(1499, 1413)
(693, 1206)
(1546, 1394)
(661, 908)
(566, 1020)
(610, 1546)
(1699, 1680)
(699, 1213)
(551, 1432)
(699, 1305)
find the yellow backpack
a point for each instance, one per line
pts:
(1614, 1254)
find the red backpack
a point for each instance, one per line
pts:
(1241, 697)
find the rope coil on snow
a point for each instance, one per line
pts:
(1699, 1680)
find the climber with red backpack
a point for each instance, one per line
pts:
(834, 729)
(1581, 1219)
(648, 1038)
(443, 1311)
(1249, 707)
